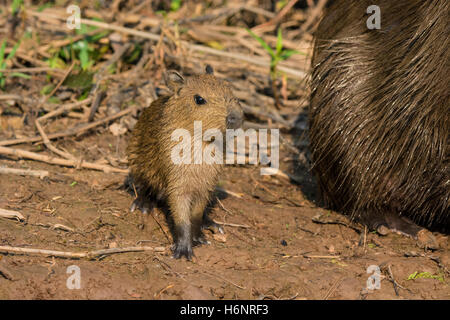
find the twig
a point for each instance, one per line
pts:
(55, 227)
(332, 289)
(30, 70)
(321, 257)
(260, 11)
(104, 120)
(276, 195)
(278, 17)
(65, 108)
(221, 278)
(223, 207)
(59, 161)
(77, 255)
(11, 97)
(47, 142)
(99, 77)
(254, 125)
(279, 173)
(6, 273)
(271, 115)
(9, 214)
(392, 279)
(232, 224)
(57, 86)
(159, 224)
(322, 218)
(25, 172)
(98, 96)
(312, 16)
(234, 194)
(157, 295)
(49, 145)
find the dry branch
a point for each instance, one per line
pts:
(9, 214)
(77, 255)
(24, 172)
(62, 162)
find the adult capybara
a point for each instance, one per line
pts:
(185, 187)
(380, 116)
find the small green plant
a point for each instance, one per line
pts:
(175, 5)
(3, 65)
(15, 6)
(425, 275)
(86, 52)
(276, 56)
(281, 4)
(83, 54)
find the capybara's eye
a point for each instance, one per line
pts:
(199, 100)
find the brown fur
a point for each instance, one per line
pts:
(380, 112)
(187, 187)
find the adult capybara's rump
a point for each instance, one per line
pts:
(380, 115)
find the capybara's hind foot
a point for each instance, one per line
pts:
(209, 224)
(402, 225)
(391, 222)
(143, 204)
(199, 240)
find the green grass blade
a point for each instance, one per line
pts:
(279, 46)
(287, 53)
(84, 55)
(2, 53)
(13, 51)
(20, 75)
(262, 43)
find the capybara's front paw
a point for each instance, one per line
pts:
(182, 248)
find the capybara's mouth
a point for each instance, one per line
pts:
(234, 120)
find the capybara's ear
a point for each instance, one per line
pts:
(173, 80)
(209, 69)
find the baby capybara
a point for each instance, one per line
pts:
(184, 186)
(380, 114)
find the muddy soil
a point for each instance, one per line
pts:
(278, 242)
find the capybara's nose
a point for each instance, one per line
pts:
(234, 120)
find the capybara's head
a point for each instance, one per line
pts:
(203, 98)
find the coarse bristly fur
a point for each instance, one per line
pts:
(380, 115)
(185, 188)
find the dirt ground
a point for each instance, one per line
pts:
(279, 242)
(277, 252)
